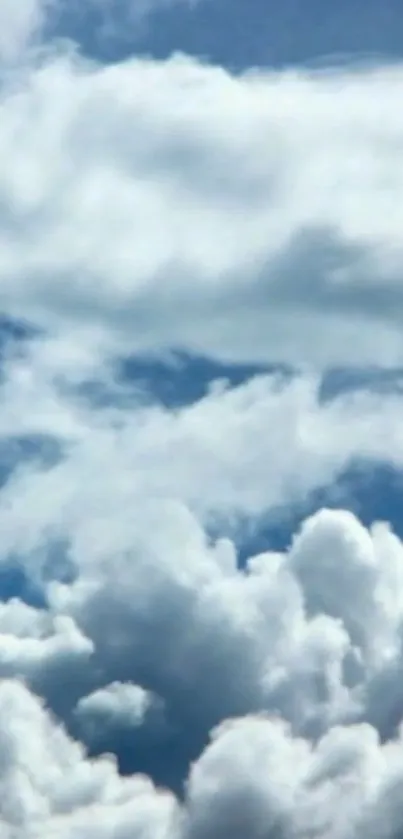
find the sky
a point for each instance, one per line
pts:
(201, 419)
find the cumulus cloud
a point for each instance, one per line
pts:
(127, 702)
(46, 651)
(151, 600)
(160, 634)
(49, 788)
(32, 655)
(117, 709)
(147, 206)
(238, 452)
(254, 779)
(304, 633)
(214, 641)
(172, 204)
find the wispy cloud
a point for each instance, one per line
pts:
(21, 23)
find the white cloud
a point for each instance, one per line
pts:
(116, 708)
(32, 656)
(254, 779)
(21, 23)
(47, 651)
(150, 205)
(128, 501)
(219, 642)
(48, 786)
(174, 204)
(129, 702)
(235, 453)
(170, 609)
(313, 634)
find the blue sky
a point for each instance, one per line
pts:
(243, 33)
(201, 435)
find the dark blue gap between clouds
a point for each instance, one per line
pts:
(237, 34)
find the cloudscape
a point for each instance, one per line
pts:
(201, 419)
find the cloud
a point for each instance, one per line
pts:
(184, 619)
(237, 453)
(21, 24)
(148, 206)
(118, 709)
(127, 506)
(27, 24)
(129, 702)
(257, 780)
(49, 786)
(254, 779)
(160, 636)
(173, 613)
(46, 651)
(252, 217)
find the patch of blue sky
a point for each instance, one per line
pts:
(14, 582)
(14, 335)
(341, 380)
(237, 33)
(180, 379)
(20, 450)
(177, 378)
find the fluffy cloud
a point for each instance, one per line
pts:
(303, 633)
(117, 709)
(160, 635)
(34, 653)
(148, 206)
(172, 204)
(237, 452)
(49, 788)
(20, 24)
(307, 633)
(254, 779)
(125, 702)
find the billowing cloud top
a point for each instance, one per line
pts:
(167, 671)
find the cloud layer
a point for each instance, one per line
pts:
(172, 204)
(157, 637)
(20, 24)
(147, 207)
(301, 637)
